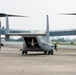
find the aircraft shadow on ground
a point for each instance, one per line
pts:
(36, 54)
(32, 54)
(20, 55)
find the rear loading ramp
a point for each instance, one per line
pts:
(31, 42)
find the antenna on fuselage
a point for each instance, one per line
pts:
(47, 29)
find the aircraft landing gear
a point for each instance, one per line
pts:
(24, 52)
(50, 52)
(45, 52)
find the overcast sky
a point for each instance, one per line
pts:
(37, 10)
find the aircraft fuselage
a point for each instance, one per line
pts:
(36, 44)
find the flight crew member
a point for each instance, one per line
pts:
(2, 44)
(55, 47)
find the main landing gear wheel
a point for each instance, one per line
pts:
(50, 52)
(24, 52)
(45, 52)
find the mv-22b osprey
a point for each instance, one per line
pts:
(32, 41)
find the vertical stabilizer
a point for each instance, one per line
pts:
(7, 24)
(0, 36)
(7, 29)
(47, 29)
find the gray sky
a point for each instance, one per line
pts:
(37, 10)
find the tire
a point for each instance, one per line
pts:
(25, 52)
(45, 52)
(52, 52)
(49, 52)
(22, 52)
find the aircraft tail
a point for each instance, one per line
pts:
(47, 29)
(0, 36)
(7, 29)
(7, 25)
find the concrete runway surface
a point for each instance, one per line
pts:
(12, 62)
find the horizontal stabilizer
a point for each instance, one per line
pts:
(4, 15)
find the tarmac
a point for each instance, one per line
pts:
(12, 62)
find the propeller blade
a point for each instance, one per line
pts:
(68, 14)
(4, 15)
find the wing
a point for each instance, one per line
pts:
(26, 34)
(52, 33)
(62, 33)
(2, 31)
(19, 31)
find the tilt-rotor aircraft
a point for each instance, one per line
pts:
(33, 41)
